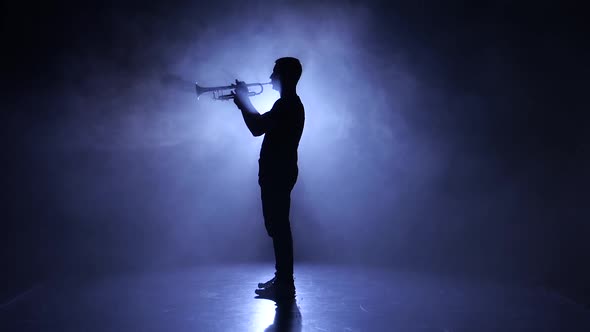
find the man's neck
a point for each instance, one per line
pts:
(288, 93)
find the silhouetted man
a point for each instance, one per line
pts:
(282, 127)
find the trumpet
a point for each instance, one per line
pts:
(218, 91)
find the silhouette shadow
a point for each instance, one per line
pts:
(287, 317)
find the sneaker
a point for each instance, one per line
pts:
(277, 291)
(268, 283)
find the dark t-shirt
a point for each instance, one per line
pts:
(278, 154)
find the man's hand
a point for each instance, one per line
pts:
(240, 94)
(252, 118)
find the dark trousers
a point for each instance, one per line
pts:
(276, 202)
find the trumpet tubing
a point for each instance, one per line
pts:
(219, 92)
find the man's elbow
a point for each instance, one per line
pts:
(257, 133)
(256, 130)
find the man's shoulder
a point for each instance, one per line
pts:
(292, 102)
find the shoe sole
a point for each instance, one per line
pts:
(264, 284)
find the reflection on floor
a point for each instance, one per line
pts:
(221, 298)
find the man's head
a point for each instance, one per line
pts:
(286, 74)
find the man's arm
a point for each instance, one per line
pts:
(252, 118)
(257, 123)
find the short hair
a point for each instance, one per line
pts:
(289, 70)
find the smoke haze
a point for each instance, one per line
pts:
(431, 141)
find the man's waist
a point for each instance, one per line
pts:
(264, 161)
(277, 170)
(283, 157)
(277, 162)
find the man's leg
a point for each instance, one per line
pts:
(283, 241)
(276, 203)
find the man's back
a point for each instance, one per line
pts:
(278, 154)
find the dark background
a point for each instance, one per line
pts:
(443, 138)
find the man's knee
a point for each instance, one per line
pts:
(278, 228)
(282, 229)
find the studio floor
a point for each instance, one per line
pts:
(329, 298)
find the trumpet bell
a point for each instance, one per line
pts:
(200, 90)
